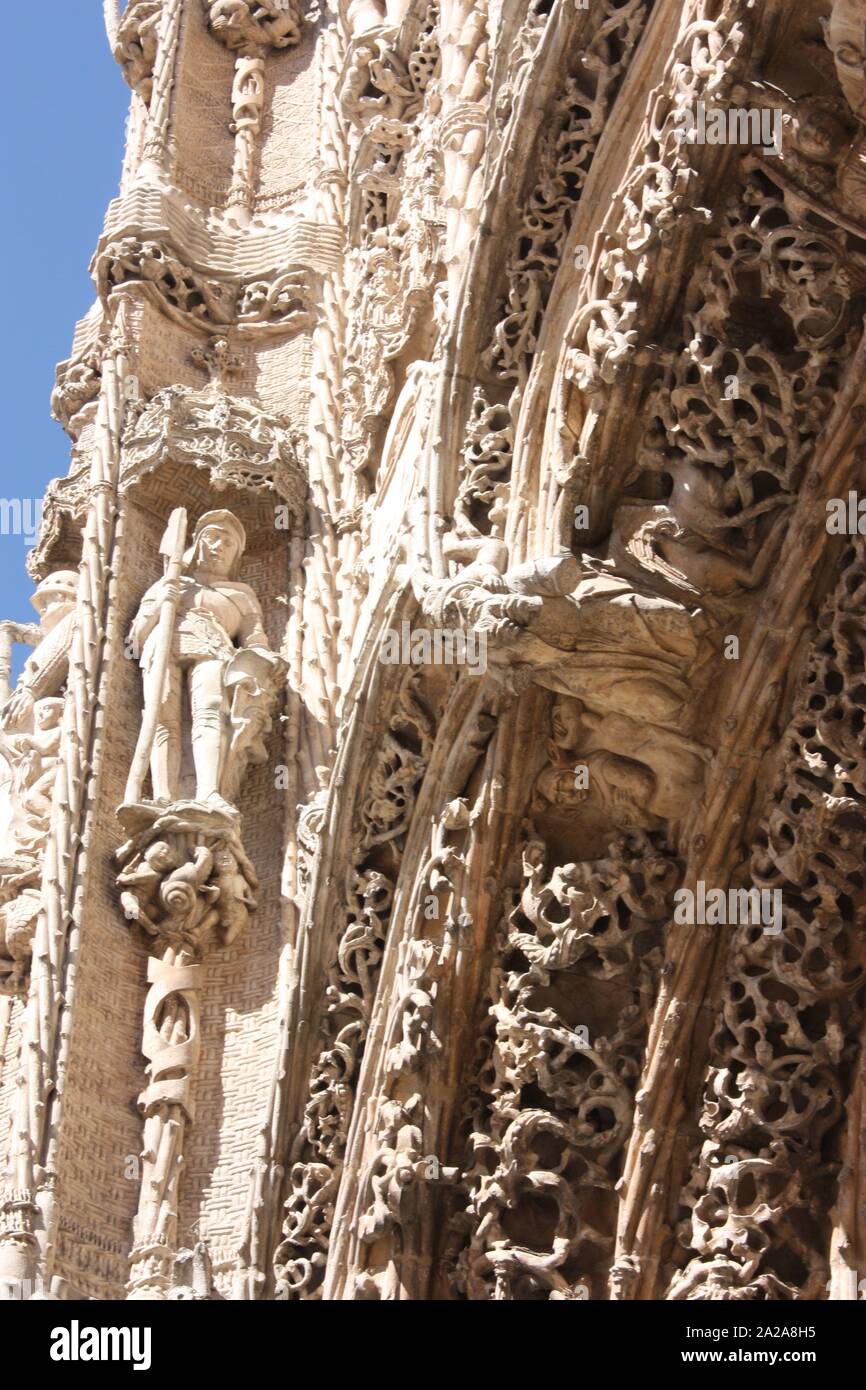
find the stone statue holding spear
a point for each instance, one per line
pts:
(201, 627)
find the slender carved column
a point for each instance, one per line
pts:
(159, 111)
(171, 1045)
(464, 84)
(248, 97)
(250, 31)
(28, 1214)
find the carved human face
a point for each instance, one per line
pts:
(46, 714)
(846, 40)
(217, 550)
(565, 722)
(52, 602)
(556, 785)
(819, 135)
(160, 857)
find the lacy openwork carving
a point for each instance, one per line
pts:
(317, 1155)
(443, 736)
(792, 1010)
(230, 438)
(280, 303)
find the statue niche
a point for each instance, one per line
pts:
(220, 677)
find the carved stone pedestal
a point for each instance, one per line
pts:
(186, 880)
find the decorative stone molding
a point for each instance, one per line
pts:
(282, 303)
(260, 281)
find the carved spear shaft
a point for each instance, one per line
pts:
(172, 546)
(29, 1214)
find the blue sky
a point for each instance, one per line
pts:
(65, 104)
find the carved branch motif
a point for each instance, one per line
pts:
(768, 286)
(282, 303)
(317, 1155)
(567, 149)
(576, 965)
(399, 262)
(563, 159)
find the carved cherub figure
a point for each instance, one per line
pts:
(140, 885)
(236, 899)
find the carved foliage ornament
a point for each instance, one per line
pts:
(281, 302)
(316, 1159)
(792, 1004)
(231, 438)
(554, 1103)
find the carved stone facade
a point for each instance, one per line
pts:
(436, 792)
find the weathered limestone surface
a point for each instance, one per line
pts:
(441, 596)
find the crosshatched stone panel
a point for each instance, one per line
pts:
(290, 102)
(203, 112)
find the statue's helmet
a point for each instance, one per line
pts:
(226, 521)
(54, 588)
